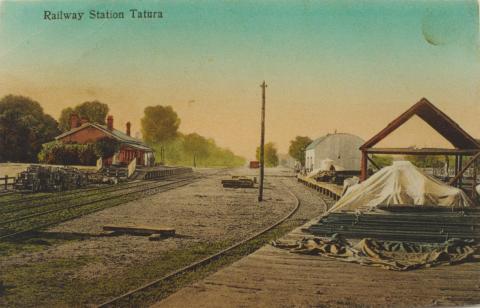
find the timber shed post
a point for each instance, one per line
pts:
(363, 166)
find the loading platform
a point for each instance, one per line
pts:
(272, 277)
(331, 190)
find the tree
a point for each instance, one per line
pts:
(196, 146)
(24, 127)
(94, 111)
(382, 160)
(271, 155)
(64, 120)
(426, 161)
(297, 148)
(159, 126)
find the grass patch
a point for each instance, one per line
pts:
(26, 246)
(52, 284)
(29, 285)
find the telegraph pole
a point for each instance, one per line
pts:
(262, 144)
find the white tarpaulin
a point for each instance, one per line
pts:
(401, 184)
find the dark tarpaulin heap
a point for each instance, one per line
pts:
(391, 255)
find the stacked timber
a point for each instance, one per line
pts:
(40, 178)
(140, 230)
(415, 226)
(239, 182)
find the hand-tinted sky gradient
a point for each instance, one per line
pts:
(349, 66)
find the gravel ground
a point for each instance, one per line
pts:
(203, 211)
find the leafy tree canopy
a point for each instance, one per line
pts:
(180, 151)
(382, 160)
(159, 124)
(94, 111)
(196, 146)
(297, 148)
(271, 154)
(24, 127)
(426, 161)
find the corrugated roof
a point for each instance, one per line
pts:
(321, 139)
(115, 133)
(316, 142)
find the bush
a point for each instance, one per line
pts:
(59, 153)
(106, 147)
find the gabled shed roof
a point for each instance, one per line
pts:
(114, 133)
(317, 141)
(434, 117)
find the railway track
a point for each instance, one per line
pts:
(31, 222)
(43, 201)
(46, 197)
(5, 194)
(114, 302)
(71, 194)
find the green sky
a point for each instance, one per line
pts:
(350, 66)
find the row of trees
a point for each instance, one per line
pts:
(196, 150)
(160, 129)
(26, 133)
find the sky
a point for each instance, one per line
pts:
(345, 66)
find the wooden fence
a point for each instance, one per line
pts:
(7, 183)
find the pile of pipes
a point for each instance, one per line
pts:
(45, 179)
(430, 226)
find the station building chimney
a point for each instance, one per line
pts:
(129, 125)
(110, 122)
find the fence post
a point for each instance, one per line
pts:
(6, 182)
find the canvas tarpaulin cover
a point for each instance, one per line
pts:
(401, 184)
(391, 255)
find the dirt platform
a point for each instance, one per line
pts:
(79, 258)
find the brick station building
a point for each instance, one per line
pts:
(83, 132)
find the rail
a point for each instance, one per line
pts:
(204, 261)
(156, 188)
(84, 206)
